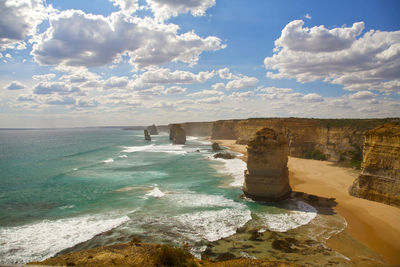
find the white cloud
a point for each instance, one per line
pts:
(164, 9)
(46, 88)
(175, 90)
(25, 98)
(59, 100)
(241, 95)
(313, 98)
(159, 76)
(243, 82)
(75, 38)
(127, 6)
(362, 95)
(206, 93)
(163, 105)
(87, 103)
(18, 20)
(116, 82)
(307, 16)
(210, 100)
(340, 56)
(8, 56)
(44, 77)
(15, 85)
(226, 74)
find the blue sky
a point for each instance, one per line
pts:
(128, 62)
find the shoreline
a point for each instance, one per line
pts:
(373, 224)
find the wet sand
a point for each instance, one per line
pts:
(374, 224)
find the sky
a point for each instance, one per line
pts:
(73, 63)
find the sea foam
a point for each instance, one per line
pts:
(298, 214)
(171, 149)
(233, 167)
(155, 192)
(110, 160)
(41, 240)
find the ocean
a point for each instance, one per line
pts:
(70, 189)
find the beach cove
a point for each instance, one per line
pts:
(370, 223)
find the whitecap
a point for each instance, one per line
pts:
(202, 200)
(155, 192)
(75, 169)
(110, 160)
(122, 156)
(41, 240)
(66, 207)
(234, 168)
(299, 213)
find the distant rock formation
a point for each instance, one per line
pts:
(153, 130)
(215, 147)
(379, 179)
(266, 177)
(177, 134)
(147, 135)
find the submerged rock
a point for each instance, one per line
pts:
(379, 179)
(147, 135)
(266, 177)
(153, 130)
(177, 134)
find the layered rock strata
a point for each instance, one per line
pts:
(266, 177)
(177, 134)
(379, 179)
(152, 130)
(147, 135)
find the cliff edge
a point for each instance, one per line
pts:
(379, 179)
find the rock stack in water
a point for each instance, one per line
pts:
(177, 134)
(379, 179)
(266, 177)
(153, 130)
(147, 135)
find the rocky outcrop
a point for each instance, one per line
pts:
(215, 146)
(266, 177)
(152, 130)
(336, 139)
(379, 179)
(224, 155)
(177, 134)
(147, 135)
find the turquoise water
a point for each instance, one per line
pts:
(68, 188)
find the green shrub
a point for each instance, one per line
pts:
(170, 256)
(315, 154)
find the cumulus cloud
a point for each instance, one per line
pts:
(206, 93)
(25, 98)
(15, 85)
(340, 56)
(237, 83)
(175, 90)
(240, 95)
(313, 98)
(159, 76)
(75, 38)
(226, 74)
(116, 82)
(47, 88)
(127, 6)
(59, 100)
(210, 100)
(18, 20)
(44, 77)
(164, 9)
(362, 95)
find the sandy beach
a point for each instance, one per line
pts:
(374, 224)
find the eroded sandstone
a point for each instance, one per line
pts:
(266, 177)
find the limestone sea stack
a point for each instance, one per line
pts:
(177, 134)
(266, 177)
(147, 135)
(379, 179)
(153, 130)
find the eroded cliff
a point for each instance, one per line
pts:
(379, 179)
(266, 177)
(334, 139)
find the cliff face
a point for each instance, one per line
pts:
(152, 130)
(266, 177)
(197, 128)
(336, 138)
(380, 174)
